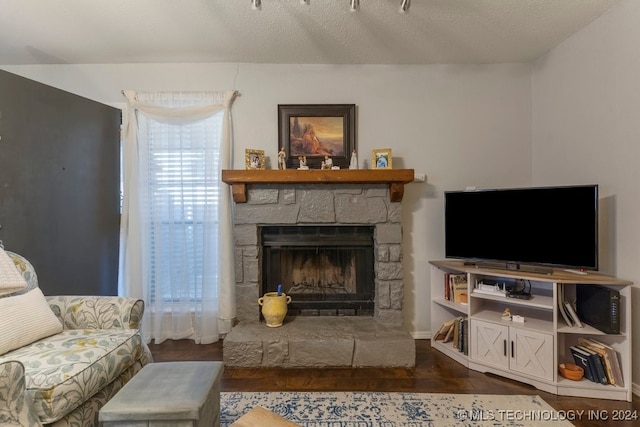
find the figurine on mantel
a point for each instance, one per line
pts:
(282, 156)
(303, 163)
(354, 160)
(327, 163)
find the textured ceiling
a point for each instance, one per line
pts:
(286, 31)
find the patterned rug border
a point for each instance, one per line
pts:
(395, 409)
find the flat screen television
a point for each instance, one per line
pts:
(519, 227)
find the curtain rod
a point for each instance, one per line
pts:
(235, 92)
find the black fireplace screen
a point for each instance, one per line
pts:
(327, 270)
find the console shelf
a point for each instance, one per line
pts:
(528, 350)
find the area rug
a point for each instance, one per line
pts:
(380, 409)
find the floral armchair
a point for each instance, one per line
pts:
(65, 378)
(15, 409)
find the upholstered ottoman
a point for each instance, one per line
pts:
(180, 394)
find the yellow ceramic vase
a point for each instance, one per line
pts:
(274, 308)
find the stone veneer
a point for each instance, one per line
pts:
(252, 344)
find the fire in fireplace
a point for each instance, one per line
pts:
(327, 270)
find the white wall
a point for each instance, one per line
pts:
(461, 125)
(586, 129)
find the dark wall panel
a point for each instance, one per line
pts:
(59, 185)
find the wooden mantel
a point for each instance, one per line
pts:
(396, 178)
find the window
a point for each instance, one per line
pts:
(176, 222)
(183, 189)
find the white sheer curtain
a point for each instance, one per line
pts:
(176, 248)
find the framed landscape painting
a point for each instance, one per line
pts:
(317, 131)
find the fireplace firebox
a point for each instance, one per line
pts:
(328, 270)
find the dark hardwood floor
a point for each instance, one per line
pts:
(433, 373)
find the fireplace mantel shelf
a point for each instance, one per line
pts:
(396, 178)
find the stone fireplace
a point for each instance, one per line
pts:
(336, 248)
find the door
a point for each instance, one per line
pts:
(489, 343)
(59, 185)
(533, 353)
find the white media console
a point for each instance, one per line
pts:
(529, 349)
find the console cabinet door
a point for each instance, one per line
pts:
(512, 348)
(490, 343)
(533, 353)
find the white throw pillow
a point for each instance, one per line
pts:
(24, 319)
(10, 278)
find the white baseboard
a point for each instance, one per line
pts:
(421, 335)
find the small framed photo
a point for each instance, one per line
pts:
(381, 158)
(254, 159)
(315, 131)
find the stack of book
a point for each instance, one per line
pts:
(599, 361)
(456, 332)
(455, 287)
(567, 309)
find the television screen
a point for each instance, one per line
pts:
(551, 226)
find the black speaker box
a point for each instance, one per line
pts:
(599, 307)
